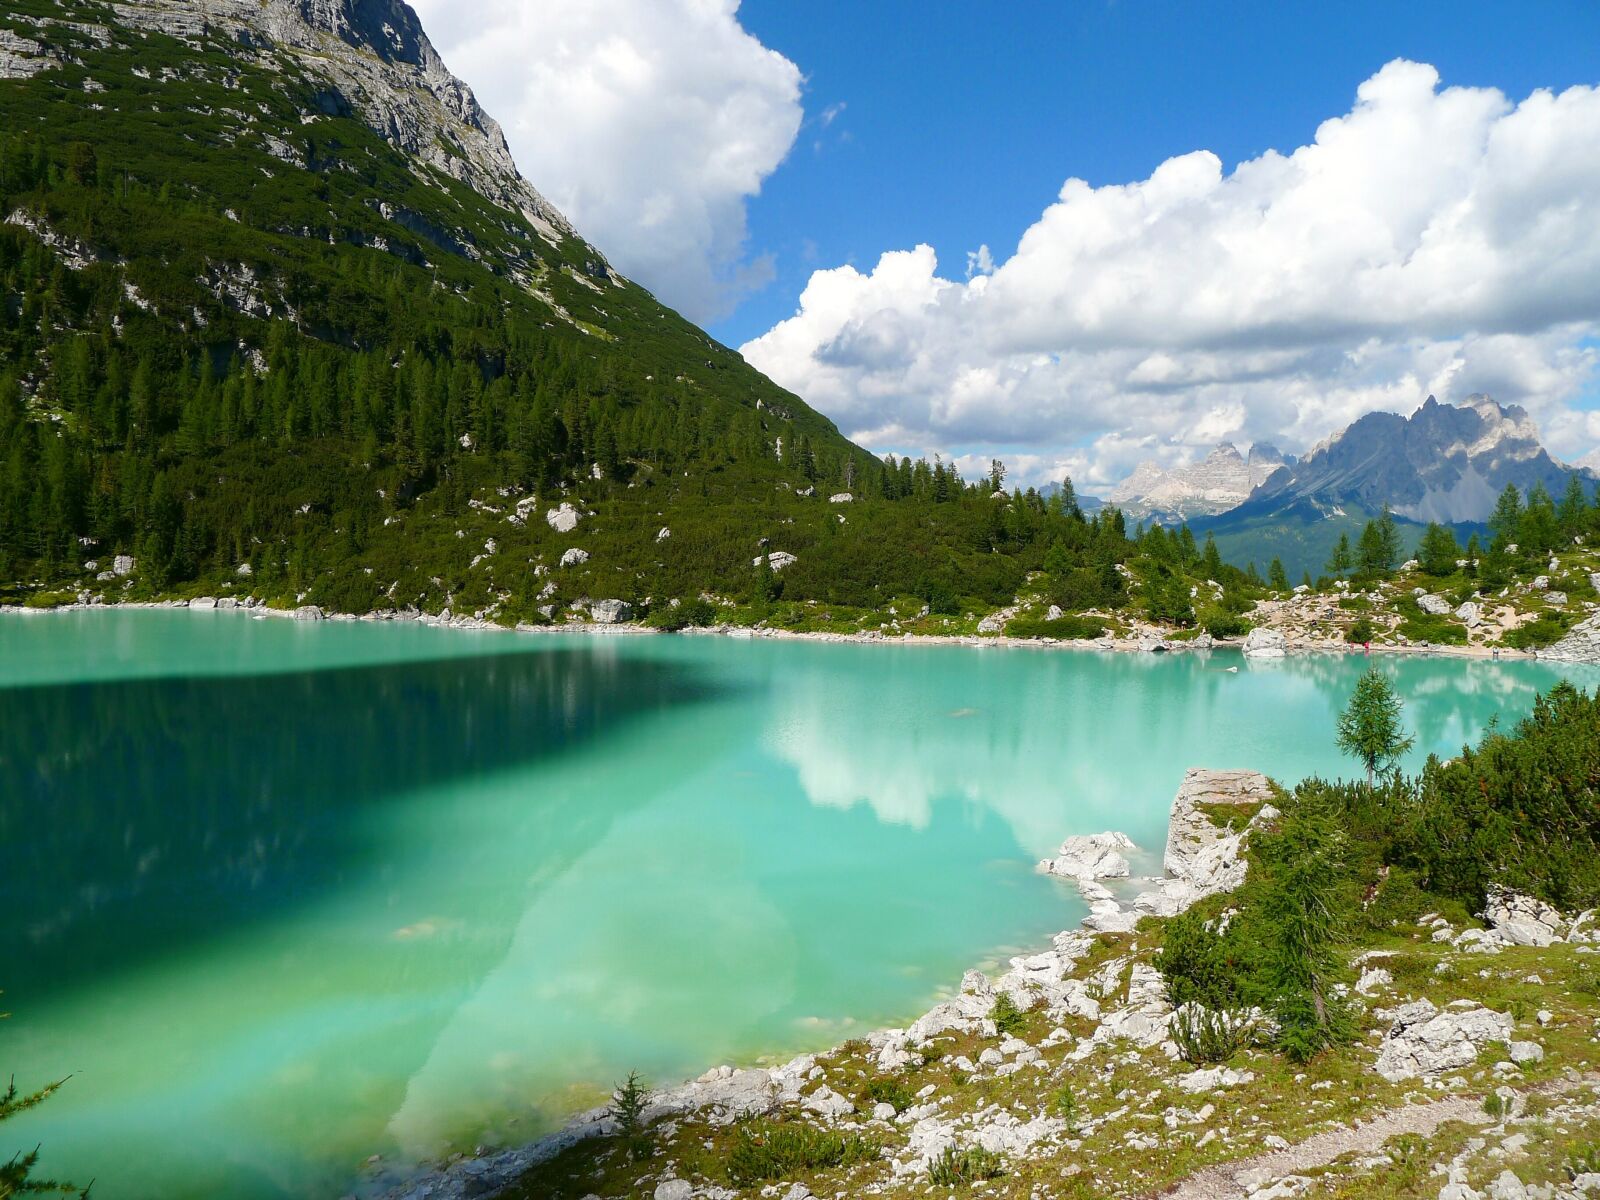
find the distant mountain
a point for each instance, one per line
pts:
(1590, 461)
(1223, 481)
(1444, 463)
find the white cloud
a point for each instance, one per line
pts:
(1443, 240)
(649, 123)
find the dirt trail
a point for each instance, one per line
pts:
(1234, 1180)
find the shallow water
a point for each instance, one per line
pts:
(280, 896)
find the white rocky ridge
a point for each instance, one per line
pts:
(1581, 644)
(1090, 856)
(1219, 483)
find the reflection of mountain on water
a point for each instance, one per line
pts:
(183, 807)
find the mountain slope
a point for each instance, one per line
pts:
(271, 287)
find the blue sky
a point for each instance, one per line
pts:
(962, 119)
(1290, 215)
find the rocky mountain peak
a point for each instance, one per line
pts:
(1446, 462)
(376, 60)
(1219, 482)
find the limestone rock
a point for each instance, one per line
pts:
(778, 558)
(564, 519)
(1436, 606)
(1523, 920)
(663, 534)
(1054, 613)
(574, 557)
(309, 612)
(674, 1189)
(1265, 643)
(1582, 644)
(123, 564)
(1425, 1041)
(611, 612)
(840, 498)
(1090, 856)
(1469, 615)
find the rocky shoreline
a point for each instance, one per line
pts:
(1201, 859)
(1583, 646)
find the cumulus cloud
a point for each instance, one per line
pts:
(649, 123)
(1432, 239)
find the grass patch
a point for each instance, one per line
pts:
(768, 1150)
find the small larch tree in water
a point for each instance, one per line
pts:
(1370, 727)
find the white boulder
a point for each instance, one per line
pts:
(1436, 606)
(574, 557)
(563, 519)
(1090, 856)
(1265, 643)
(1426, 1041)
(779, 559)
(1523, 920)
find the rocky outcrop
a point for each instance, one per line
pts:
(778, 560)
(1265, 643)
(1515, 919)
(574, 557)
(1090, 856)
(1426, 1041)
(1581, 645)
(376, 61)
(611, 612)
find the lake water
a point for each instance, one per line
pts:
(279, 896)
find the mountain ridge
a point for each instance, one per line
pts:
(1223, 480)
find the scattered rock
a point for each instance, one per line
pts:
(123, 564)
(574, 557)
(1435, 606)
(1523, 920)
(779, 559)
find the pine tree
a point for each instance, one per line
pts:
(1505, 523)
(1438, 550)
(1341, 560)
(1213, 560)
(16, 1176)
(1069, 499)
(1370, 728)
(1277, 576)
(1389, 539)
(1573, 511)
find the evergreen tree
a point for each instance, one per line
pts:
(1573, 511)
(1505, 523)
(1370, 728)
(1213, 560)
(16, 1176)
(1277, 577)
(1300, 912)
(1438, 550)
(1389, 539)
(1341, 560)
(1069, 499)
(1370, 556)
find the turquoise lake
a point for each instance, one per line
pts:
(281, 896)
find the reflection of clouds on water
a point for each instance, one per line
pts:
(1074, 743)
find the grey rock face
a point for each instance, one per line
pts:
(1426, 1041)
(1436, 606)
(574, 557)
(1444, 463)
(611, 612)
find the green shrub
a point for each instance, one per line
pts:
(893, 1092)
(692, 613)
(1361, 631)
(769, 1150)
(50, 599)
(1206, 1036)
(1226, 625)
(1547, 630)
(957, 1168)
(1065, 1103)
(1200, 965)
(1007, 1017)
(1584, 1161)
(1066, 629)
(1426, 627)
